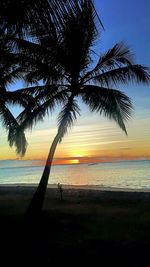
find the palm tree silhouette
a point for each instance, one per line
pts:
(48, 14)
(64, 62)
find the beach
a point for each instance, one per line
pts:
(71, 194)
(87, 225)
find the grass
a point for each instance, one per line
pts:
(109, 227)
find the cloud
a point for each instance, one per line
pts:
(125, 148)
(101, 143)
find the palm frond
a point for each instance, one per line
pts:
(29, 117)
(21, 17)
(131, 73)
(117, 56)
(113, 104)
(20, 98)
(11, 75)
(16, 135)
(26, 46)
(80, 26)
(39, 90)
(39, 60)
(67, 116)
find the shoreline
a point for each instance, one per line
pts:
(78, 187)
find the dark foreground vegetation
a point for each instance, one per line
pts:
(93, 228)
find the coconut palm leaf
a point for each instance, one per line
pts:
(10, 75)
(30, 14)
(18, 97)
(39, 60)
(113, 104)
(117, 56)
(16, 135)
(35, 14)
(10, 71)
(131, 73)
(79, 27)
(29, 117)
(67, 116)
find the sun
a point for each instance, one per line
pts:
(74, 161)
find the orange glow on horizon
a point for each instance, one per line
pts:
(62, 161)
(73, 161)
(87, 160)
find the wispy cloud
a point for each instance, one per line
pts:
(101, 143)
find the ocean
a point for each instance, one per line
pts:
(123, 174)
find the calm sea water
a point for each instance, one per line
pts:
(127, 174)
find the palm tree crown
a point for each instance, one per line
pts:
(33, 16)
(63, 61)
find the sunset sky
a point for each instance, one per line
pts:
(94, 138)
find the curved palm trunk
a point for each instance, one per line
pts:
(36, 203)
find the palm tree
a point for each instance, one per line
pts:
(64, 62)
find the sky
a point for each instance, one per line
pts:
(94, 138)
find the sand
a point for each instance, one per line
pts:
(16, 198)
(75, 191)
(90, 225)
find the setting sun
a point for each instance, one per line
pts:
(74, 161)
